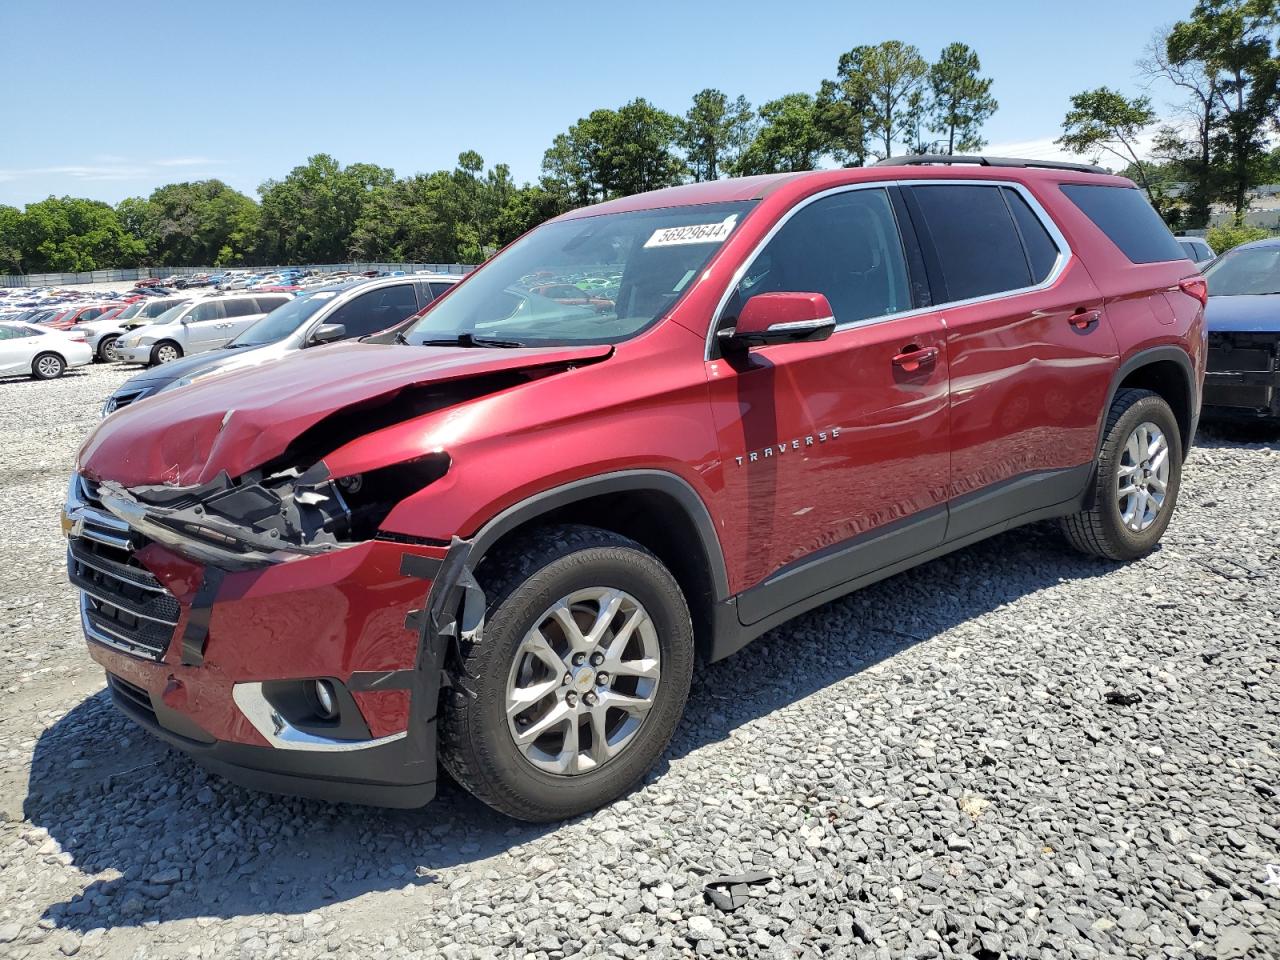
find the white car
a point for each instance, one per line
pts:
(195, 327)
(40, 353)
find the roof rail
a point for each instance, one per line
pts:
(948, 158)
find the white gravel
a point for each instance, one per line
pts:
(930, 768)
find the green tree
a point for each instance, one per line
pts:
(310, 215)
(1105, 121)
(615, 153)
(886, 82)
(960, 100)
(189, 224)
(714, 132)
(69, 234)
(788, 138)
(1231, 41)
(10, 252)
(1228, 235)
(840, 115)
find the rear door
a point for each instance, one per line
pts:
(835, 453)
(1031, 352)
(15, 351)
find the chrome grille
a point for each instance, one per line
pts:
(122, 604)
(123, 399)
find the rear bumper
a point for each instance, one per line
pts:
(397, 772)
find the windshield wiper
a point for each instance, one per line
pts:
(471, 340)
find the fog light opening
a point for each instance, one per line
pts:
(326, 700)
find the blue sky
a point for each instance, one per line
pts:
(112, 100)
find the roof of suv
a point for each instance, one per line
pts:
(755, 188)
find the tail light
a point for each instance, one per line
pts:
(1197, 287)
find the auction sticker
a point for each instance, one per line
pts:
(693, 233)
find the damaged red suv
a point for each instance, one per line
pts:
(501, 542)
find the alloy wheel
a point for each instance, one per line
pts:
(111, 349)
(583, 680)
(166, 353)
(1143, 476)
(49, 367)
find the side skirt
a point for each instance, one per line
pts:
(801, 587)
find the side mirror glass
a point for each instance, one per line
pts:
(328, 333)
(769, 318)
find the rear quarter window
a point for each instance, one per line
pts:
(1124, 215)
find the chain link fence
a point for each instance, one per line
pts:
(145, 273)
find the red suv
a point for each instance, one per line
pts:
(503, 538)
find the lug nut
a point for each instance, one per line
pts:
(589, 699)
(602, 679)
(568, 679)
(571, 699)
(597, 658)
(579, 659)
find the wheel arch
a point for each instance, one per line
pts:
(1164, 370)
(659, 510)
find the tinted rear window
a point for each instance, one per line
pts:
(977, 243)
(1042, 252)
(1124, 215)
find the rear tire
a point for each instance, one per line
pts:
(166, 351)
(107, 350)
(604, 586)
(1135, 487)
(48, 366)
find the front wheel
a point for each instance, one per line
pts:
(165, 352)
(1136, 481)
(107, 351)
(576, 686)
(48, 366)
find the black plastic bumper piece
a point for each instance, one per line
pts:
(383, 776)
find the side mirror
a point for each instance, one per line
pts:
(328, 333)
(780, 318)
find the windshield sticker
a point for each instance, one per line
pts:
(694, 233)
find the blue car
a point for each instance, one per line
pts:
(1243, 316)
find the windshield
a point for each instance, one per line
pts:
(597, 279)
(130, 311)
(170, 315)
(1245, 272)
(283, 320)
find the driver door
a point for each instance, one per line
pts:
(205, 326)
(836, 453)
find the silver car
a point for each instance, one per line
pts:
(341, 311)
(101, 335)
(196, 327)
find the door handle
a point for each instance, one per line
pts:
(912, 357)
(1084, 319)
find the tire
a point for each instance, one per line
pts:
(1109, 528)
(523, 583)
(48, 366)
(106, 349)
(166, 351)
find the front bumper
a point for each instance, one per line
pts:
(189, 649)
(1243, 376)
(138, 354)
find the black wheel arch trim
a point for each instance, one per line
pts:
(1144, 358)
(621, 481)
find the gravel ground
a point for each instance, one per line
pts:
(1010, 752)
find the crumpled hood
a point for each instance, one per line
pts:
(243, 418)
(1249, 314)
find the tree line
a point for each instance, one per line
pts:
(883, 99)
(1213, 144)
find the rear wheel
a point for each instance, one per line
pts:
(166, 351)
(107, 349)
(48, 366)
(576, 686)
(1136, 481)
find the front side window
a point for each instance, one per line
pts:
(209, 310)
(376, 310)
(976, 241)
(846, 247)
(1245, 271)
(633, 267)
(1124, 215)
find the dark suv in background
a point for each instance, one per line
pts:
(502, 540)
